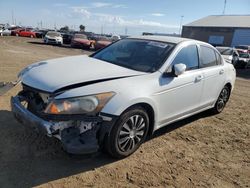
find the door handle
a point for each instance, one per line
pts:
(221, 71)
(198, 78)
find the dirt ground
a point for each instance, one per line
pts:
(202, 151)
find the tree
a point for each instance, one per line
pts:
(64, 29)
(82, 28)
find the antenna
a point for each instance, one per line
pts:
(224, 8)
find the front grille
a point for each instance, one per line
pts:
(52, 40)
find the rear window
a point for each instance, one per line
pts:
(207, 56)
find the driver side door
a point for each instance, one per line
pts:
(180, 95)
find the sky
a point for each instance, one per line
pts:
(130, 17)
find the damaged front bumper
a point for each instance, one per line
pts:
(79, 135)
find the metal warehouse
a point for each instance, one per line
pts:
(220, 30)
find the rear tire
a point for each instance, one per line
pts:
(222, 100)
(92, 46)
(129, 132)
(31, 36)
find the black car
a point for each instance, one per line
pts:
(67, 37)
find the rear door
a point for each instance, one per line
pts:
(213, 71)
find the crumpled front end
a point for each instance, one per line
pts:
(79, 134)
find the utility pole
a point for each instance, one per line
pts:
(181, 24)
(224, 8)
(12, 17)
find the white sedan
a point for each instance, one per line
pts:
(123, 93)
(5, 32)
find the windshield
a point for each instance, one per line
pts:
(244, 55)
(103, 39)
(242, 47)
(225, 51)
(136, 54)
(53, 34)
(79, 36)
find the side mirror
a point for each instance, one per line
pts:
(179, 69)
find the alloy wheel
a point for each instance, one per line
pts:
(222, 100)
(131, 133)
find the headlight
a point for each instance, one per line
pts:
(80, 105)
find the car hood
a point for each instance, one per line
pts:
(53, 37)
(81, 40)
(71, 72)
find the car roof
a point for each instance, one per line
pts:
(169, 39)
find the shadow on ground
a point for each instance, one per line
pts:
(28, 159)
(243, 73)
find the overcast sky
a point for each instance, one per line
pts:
(120, 17)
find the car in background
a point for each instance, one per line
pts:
(229, 54)
(102, 42)
(244, 59)
(67, 37)
(15, 31)
(243, 47)
(81, 41)
(119, 96)
(5, 32)
(41, 33)
(53, 37)
(25, 33)
(115, 38)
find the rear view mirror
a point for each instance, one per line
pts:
(179, 69)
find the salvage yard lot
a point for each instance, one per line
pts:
(202, 151)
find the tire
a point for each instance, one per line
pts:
(129, 132)
(31, 36)
(92, 46)
(222, 100)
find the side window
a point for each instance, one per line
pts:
(207, 56)
(188, 56)
(218, 58)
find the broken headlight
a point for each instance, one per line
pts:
(80, 105)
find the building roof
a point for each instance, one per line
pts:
(174, 40)
(222, 21)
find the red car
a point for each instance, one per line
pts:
(81, 41)
(25, 33)
(102, 42)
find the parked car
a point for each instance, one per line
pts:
(81, 41)
(41, 33)
(53, 37)
(229, 54)
(67, 37)
(15, 31)
(115, 38)
(244, 59)
(25, 33)
(102, 42)
(123, 93)
(5, 32)
(243, 47)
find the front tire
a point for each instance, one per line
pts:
(222, 100)
(128, 133)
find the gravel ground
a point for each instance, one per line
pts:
(202, 151)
